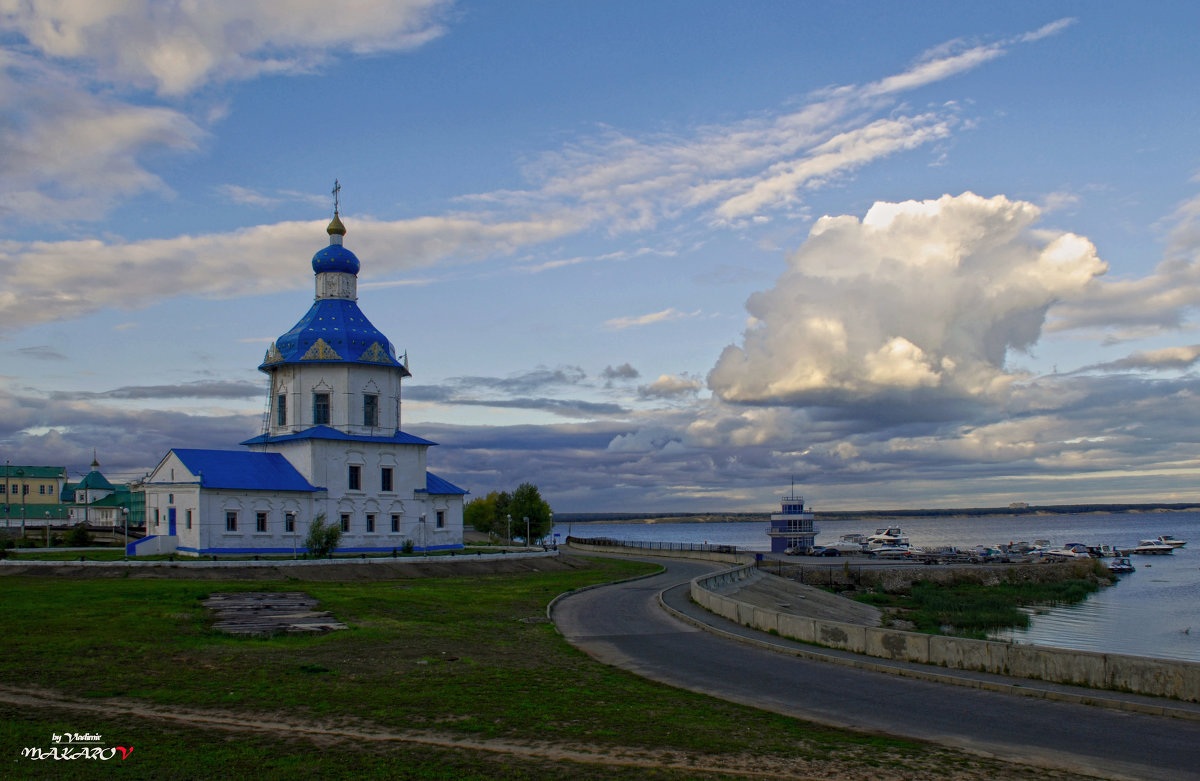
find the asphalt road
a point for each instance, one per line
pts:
(624, 625)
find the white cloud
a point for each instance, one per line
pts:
(923, 298)
(73, 146)
(670, 386)
(634, 321)
(76, 278)
(1164, 359)
(737, 171)
(175, 47)
(70, 154)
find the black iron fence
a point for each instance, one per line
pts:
(647, 545)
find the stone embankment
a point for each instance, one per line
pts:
(738, 595)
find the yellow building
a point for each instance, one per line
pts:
(31, 491)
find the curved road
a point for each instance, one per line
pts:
(623, 625)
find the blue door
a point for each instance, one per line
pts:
(171, 521)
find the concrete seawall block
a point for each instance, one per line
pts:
(1163, 677)
(838, 635)
(798, 628)
(963, 654)
(894, 644)
(1054, 664)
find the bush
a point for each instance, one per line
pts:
(323, 538)
(407, 547)
(78, 537)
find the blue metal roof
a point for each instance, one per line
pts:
(326, 432)
(243, 470)
(335, 257)
(436, 485)
(334, 330)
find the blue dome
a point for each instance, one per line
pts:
(335, 258)
(333, 331)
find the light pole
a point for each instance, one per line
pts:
(526, 531)
(125, 518)
(21, 488)
(47, 528)
(422, 519)
(508, 537)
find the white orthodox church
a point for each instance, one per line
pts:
(331, 446)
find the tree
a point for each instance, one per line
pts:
(527, 503)
(488, 513)
(323, 538)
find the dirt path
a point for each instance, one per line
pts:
(328, 732)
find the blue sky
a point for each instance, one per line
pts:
(650, 256)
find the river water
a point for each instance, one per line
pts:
(1154, 611)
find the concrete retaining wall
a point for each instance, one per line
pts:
(1137, 674)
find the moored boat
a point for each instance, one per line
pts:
(1152, 547)
(1120, 564)
(1166, 539)
(850, 543)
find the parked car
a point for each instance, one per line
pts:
(821, 550)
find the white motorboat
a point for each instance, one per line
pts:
(1120, 564)
(1072, 550)
(1152, 547)
(894, 548)
(850, 543)
(888, 535)
(1166, 539)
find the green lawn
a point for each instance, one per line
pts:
(469, 656)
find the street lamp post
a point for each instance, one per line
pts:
(422, 527)
(526, 531)
(508, 537)
(125, 518)
(21, 488)
(47, 528)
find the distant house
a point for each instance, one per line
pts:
(97, 502)
(331, 446)
(30, 492)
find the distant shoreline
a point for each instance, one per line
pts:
(866, 515)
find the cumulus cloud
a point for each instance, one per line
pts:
(1157, 303)
(918, 301)
(670, 386)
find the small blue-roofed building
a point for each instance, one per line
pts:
(331, 446)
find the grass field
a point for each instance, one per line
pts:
(436, 678)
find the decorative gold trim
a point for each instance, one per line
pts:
(375, 354)
(273, 355)
(321, 351)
